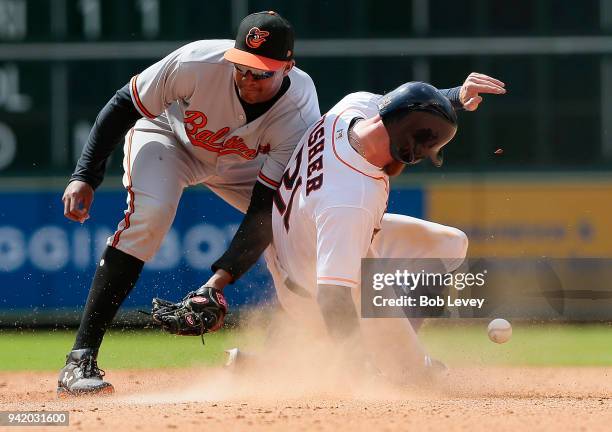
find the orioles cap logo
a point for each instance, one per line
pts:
(256, 37)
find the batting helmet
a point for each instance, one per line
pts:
(419, 120)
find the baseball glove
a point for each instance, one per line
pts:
(200, 312)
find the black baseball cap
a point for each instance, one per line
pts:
(264, 41)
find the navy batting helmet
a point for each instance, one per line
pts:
(419, 120)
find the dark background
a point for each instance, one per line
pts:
(554, 56)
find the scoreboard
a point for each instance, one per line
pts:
(61, 60)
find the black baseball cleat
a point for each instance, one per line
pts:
(81, 375)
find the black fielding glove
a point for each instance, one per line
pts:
(200, 312)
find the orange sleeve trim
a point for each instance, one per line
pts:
(338, 279)
(139, 103)
(268, 180)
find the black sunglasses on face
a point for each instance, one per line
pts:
(257, 74)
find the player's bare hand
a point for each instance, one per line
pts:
(77, 199)
(475, 84)
(219, 280)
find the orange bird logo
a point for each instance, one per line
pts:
(256, 37)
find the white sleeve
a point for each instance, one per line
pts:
(344, 235)
(162, 83)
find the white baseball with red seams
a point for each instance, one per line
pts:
(499, 330)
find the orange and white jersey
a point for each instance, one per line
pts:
(193, 88)
(330, 203)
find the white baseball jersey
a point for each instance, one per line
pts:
(195, 131)
(193, 87)
(330, 203)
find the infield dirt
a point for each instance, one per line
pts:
(475, 399)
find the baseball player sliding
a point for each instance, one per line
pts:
(329, 213)
(222, 113)
(226, 116)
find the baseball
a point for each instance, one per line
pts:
(499, 331)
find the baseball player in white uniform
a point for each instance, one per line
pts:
(329, 212)
(226, 114)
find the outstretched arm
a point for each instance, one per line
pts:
(111, 125)
(148, 94)
(252, 238)
(467, 96)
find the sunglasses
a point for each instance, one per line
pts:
(257, 74)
